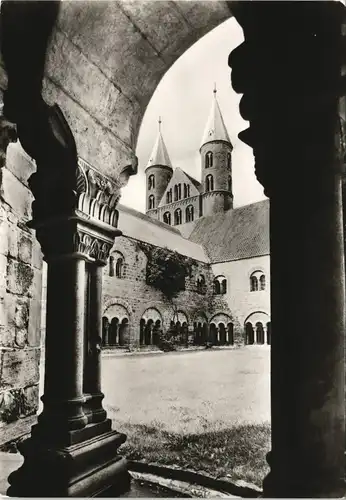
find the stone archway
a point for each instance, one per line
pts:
(259, 334)
(150, 326)
(115, 324)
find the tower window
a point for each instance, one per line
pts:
(119, 267)
(229, 183)
(177, 217)
(179, 191)
(151, 201)
(209, 160)
(209, 183)
(262, 282)
(151, 181)
(176, 193)
(229, 160)
(167, 218)
(189, 213)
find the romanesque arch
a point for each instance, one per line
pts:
(257, 328)
(222, 329)
(115, 325)
(150, 326)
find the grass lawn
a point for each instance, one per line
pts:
(206, 411)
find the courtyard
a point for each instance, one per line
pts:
(206, 410)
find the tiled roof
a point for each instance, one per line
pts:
(141, 227)
(240, 233)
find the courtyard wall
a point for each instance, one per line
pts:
(20, 298)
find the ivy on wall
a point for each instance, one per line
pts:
(166, 269)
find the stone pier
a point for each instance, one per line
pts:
(72, 450)
(292, 105)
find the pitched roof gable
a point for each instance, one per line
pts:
(179, 176)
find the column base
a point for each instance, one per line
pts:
(303, 484)
(86, 469)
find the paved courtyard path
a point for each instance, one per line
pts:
(189, 392)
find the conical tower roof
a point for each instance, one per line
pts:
(159, 154)
(215, 129)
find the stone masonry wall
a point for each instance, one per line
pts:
(132, 292)
(20, 299)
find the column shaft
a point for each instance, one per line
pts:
(92, 377)
(307, 352)
(63, 387)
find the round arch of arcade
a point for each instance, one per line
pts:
(150, 326)
(179, 326)
(115, 325)
(257, 328)
(200, 328)
(221, 329)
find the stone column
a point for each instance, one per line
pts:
(63, 395)
(92, 383)
(296, 160)
(75, 220)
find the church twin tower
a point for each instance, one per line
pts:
(174, 197)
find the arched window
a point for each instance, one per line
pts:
(179, 191)
(229, 183)
(189, 213)
(175, 193)
(119, 267)
(253, 284)
(209, 159)
(220, 285)
(151, 181)
(167, 218)
(169, 196)
(257, 281)
(185, 190)
(229, 160)
(111, 266)
(151, 202)
(188, 191)
(177, 217)
(209, 183)
(200, 284)
(217, 288)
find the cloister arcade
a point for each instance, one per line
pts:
(258, 329)
(291, 87)
(218, 331)
(115, 326)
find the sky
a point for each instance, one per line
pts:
(183, 99)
